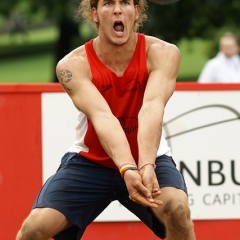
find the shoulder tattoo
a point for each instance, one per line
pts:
(65, 76)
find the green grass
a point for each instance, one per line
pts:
(193, 58)
(39, 67)
(42, 35)
(28, 57)
(34, 41)
(29, 69)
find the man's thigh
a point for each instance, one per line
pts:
(168, 175)
(46, 220)
(80, 190)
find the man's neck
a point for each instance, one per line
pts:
(115, 57)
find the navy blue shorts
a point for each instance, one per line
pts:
(82, 189)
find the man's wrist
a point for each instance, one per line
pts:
(146, 164)
(127, 166)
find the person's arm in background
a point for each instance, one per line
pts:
(163, 65)
(74, 74)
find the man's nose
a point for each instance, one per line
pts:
(117, 8)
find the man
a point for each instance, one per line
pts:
(225, 67)
(120, 82)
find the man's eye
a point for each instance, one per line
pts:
(125, 2)
(107, 3)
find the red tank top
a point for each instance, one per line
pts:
(124, 96)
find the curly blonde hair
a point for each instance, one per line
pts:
(85, 7)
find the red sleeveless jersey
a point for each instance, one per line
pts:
(123, 94)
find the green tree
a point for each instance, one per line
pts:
(184, 19)
(62, 12)
(192, 18)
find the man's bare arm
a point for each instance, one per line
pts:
(75, 79)
(163, 64)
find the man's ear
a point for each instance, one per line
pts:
(136, 12)
(94, 15)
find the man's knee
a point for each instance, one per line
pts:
(28, 233)
(32, 229)
(177, 214)
(42, 223)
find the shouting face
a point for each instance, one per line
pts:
(115, 19)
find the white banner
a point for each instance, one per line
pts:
(203, 130)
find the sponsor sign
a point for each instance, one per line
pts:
(203, 130)
(201, 127)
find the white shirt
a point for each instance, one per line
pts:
(221, 69)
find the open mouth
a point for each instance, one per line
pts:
(118, 26)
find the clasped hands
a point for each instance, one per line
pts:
(143, 187)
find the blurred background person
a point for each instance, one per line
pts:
(225, 67)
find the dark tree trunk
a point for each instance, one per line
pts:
(68, 30)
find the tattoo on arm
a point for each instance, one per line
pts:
(65, 87)
(65, 76)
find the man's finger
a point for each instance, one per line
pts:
(155, 193)
(138, 198)
(155, 189)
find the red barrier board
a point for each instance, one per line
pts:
(20, 162)
(21, 167)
